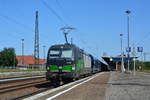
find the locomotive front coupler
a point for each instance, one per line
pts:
(60, 80)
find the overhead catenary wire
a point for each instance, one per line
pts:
(16, 22)
(58, 3)
(65, 15)
(53, 11)
(142, 40)
(60, 18)
(83, 41)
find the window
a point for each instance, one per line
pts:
(66, 53)
(54, 53)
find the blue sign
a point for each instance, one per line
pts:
(128, 49)
(139, 49)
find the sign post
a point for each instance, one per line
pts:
(140, 49)
(128, 50)
(134, 57)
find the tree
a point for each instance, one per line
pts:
(8, 57)
(142, 65)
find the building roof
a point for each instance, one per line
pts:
(28, 60)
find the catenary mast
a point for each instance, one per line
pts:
(36, 41)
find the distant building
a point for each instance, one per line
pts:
(28, 60)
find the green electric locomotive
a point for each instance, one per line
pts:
(67, 62)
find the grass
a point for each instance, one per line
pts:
(148, 71)
(20, 70)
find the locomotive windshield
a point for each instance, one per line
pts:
(63, 53)
(54, 54)
(66, 53)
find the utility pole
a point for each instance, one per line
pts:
(128, 30)
(121, 35)
(134, 57)
(14, 58)
(66, 31)
(122, 54)
(22, 40)
(140, 49)
(141, 60)
(44, 52)
(144, 54)
(36, 41)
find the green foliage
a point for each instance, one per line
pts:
(140, 65)
(146, 66)
(8, 57)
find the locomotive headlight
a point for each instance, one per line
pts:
(72, 59)
(60, 67)
(69, 62)
(48, 68)
(73, 67)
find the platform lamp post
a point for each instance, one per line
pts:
(22, 40)
(134, 58)
(122, 61)
(128, 49)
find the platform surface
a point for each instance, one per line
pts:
(105, 86)
(123, 86)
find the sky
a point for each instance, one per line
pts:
(98, 24)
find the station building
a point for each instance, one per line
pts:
(115, 62)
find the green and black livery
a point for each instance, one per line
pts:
(67, 61)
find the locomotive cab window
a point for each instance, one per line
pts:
(66, 53)
(54, 53)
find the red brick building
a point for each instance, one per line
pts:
(28, 60)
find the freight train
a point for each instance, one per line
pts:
(69, 62)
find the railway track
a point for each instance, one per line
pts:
(19, 89)
(20, 86)
(15, 89)
(6, 79)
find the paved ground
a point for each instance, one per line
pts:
(128, 87)
(92, 90)
(108, 86)
(89, 88)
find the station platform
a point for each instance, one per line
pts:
(127, 86)
(103, 86)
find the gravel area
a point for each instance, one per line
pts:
(123, 86)
(31, 88)
(21, 92)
